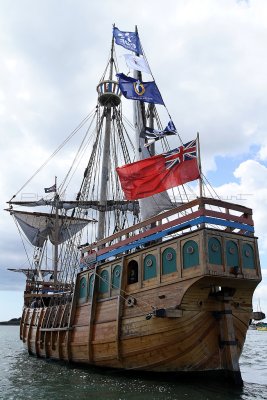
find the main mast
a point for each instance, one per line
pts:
(108, 91)
(55, 257)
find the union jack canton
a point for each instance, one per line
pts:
(186, 152)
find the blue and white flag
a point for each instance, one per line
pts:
(170, 128)
(136, 90)
(128, 40)
(152, 135)
(137, 63)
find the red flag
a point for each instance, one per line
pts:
(156, 174)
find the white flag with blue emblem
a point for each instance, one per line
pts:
(137, 63)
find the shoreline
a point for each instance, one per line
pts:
(11, 322)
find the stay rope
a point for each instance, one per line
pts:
(54, 153)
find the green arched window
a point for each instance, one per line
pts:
(215, 251)
(168, 261)
(104, 281)
(91, 285)
(248, 256)
(190, 254)
(232, 254)
(116, 277)
(83, 288)
(150, 267)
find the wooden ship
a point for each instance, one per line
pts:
(163, 283)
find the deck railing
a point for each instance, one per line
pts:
(199, 213)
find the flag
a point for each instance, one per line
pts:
(50, 189)
(137, 63)
(128, 40)
(156, 174)
(152, 134)
(170, 127)
(144, 91)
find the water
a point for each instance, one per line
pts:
(25, 377)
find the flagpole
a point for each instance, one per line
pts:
(199, 167)
(151, 125)
(139, 77)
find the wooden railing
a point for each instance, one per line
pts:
(195, 214)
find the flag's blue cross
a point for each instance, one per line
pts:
(183, 153)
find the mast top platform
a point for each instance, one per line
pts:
(109, 93)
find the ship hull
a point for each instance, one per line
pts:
(208, 335)
(189, 315)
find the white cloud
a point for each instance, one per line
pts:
(251, 191)
(209, 60)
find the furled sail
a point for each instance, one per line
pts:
(122, 205)
(40, 226)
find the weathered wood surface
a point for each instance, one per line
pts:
(157, 344)
(200, 203)
(205, 330)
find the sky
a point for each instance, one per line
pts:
(209, 61)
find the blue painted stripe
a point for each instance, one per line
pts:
(230, 224)
(173, 229)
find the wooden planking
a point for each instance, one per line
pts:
(194, 218)
(140, 327)
(188, 206)
(147, 233)
(38, 333)
(81, 315)
(149, 299)
(164, 344)
(71, 318)
(80, 334)
(105, 351)
(22, 323)
(181, 348)
(120, 307)
(106, 311)
(104, 332)
(121, 336)
(79, 352)
(92, 313)
(153, 350)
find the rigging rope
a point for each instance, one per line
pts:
(54, 153)
(76, 157)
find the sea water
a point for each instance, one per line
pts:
(26, 377)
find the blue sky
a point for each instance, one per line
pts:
(209, 60)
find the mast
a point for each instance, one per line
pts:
(151, 108)
(109, 98)
(55, 256)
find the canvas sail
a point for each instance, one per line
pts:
(40, 226)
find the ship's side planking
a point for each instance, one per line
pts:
(182, 304)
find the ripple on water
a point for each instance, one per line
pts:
(24, 377)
